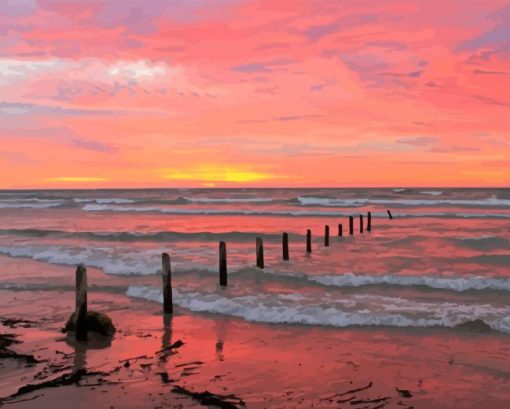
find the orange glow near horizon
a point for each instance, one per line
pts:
(254, 93)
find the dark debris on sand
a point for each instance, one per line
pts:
(207, 398)
(6, 340)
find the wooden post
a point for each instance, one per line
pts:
(168, 307)
(81, 303)
(223, 264)
(326, 236)
(260, 252)
(351, 225)
(340, 230)
(369, 222)
(308, 241)
(361, 223)
(285, 246)
(389, 214)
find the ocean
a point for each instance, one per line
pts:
(443, 260)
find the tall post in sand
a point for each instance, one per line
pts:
(285, 246)
(340, 230)
(260, 252)
(351, 225)
(369, 222)
(81, 303)
(389, 214)
(361, 223)
(168, 307)
(223, 264)
(308, 241)
(326, 236)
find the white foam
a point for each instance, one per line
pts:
(105, 258)
(332, 202)
(438, 282)
(432, 192)
(34, 205)
(364, 310)
(184, 210)
(113, 200)
(227, 200)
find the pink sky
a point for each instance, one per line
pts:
(254, 93)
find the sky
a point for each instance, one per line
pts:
(240, 93)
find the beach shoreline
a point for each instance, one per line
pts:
(264, 366)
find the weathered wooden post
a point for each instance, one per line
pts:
(168, 307)
(351, 225)
(308, 241)
(340, 230)
(81, 303)
(285, 246)
(260, 252)
(223, 264)
(361, 223)
(369, 222)
(326, 236)
(389, 214)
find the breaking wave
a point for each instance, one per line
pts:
(355, 310)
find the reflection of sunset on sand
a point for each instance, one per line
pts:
(267, 366)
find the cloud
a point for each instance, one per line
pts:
(251, 68)
(490, 101)
(418, 141)
(412, 74)
(498, 35)
(316, 32)
(92, 145)
(486, 72)
(18, 108)
(260, 67)
(454, 148)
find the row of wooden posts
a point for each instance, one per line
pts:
(81, 271)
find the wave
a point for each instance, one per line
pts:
(113, 200)
(336, 202)
(228, 200)
(432, 192)
(198, 211)
(296, 213)
(457, 284)
(483, 242)
(31, 205)
(130, 263)
(125, 236)
(355, 310)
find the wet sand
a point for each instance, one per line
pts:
(265, 366)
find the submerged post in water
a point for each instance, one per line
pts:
(168, 307)
(285, 246)
(260, 252)
(223, 264)
(361, 223)
(351, 225)
(308, 241)
(81, 303)
(326, 235)
(389, 214)
(369, 221)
